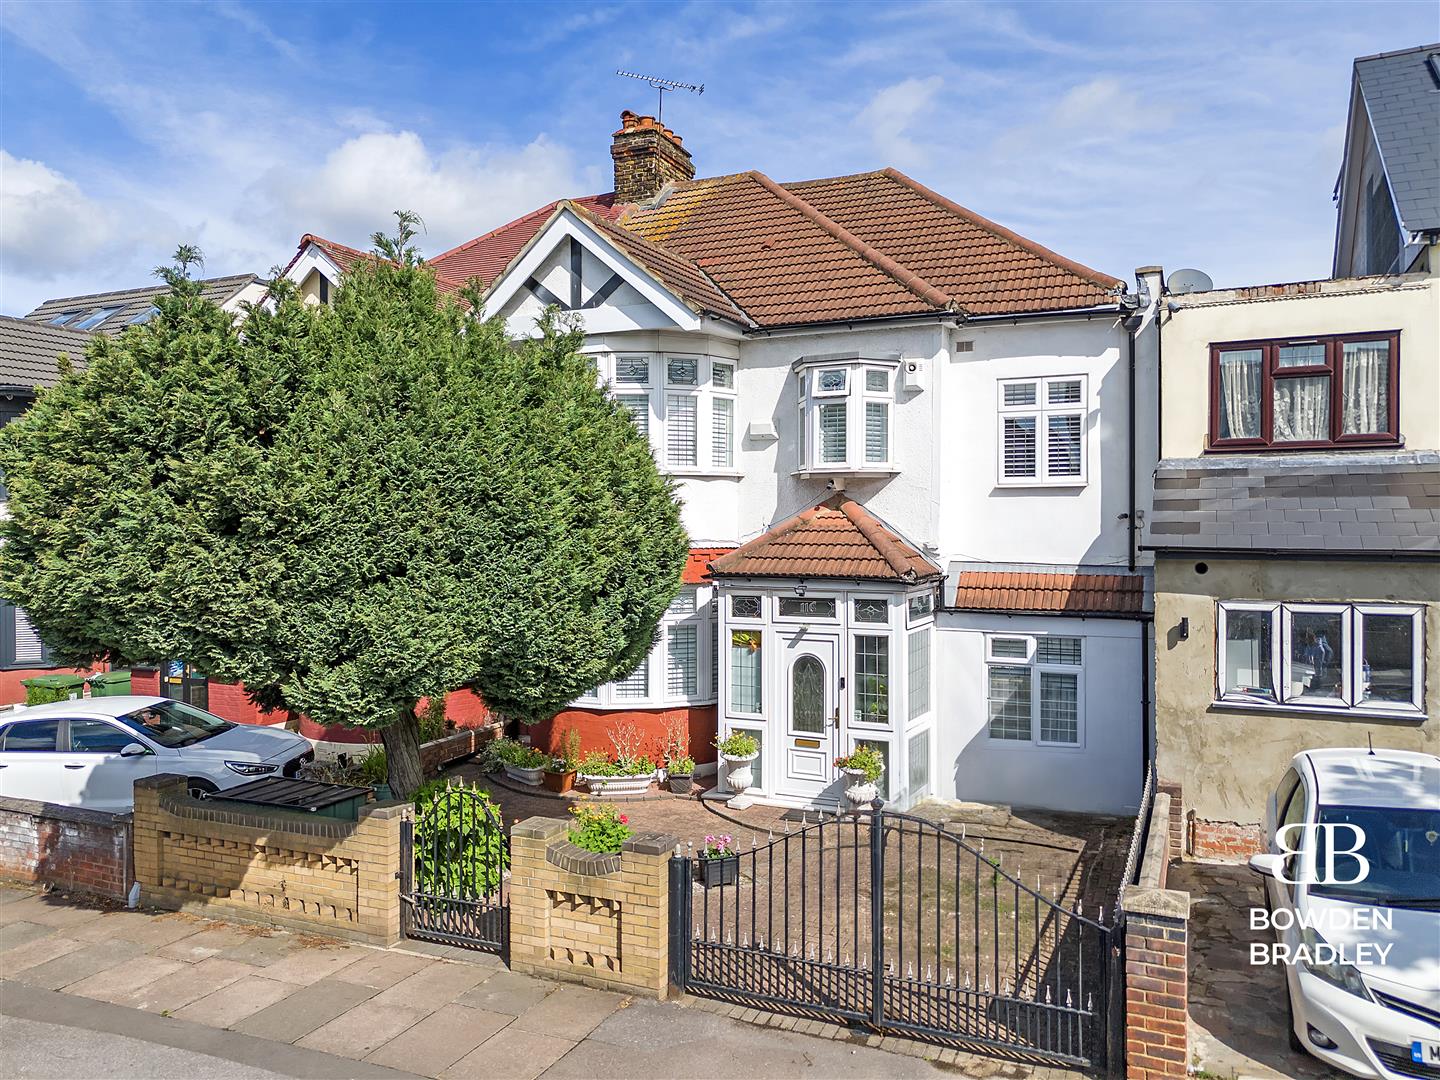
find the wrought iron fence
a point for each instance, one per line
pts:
(454, 866)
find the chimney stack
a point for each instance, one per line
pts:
(647, 156)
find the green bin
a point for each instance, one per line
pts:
(41, 689)
(110, 684)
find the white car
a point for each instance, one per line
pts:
(90, 752)
(1360, 928)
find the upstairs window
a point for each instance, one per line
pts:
(845, 417)
(684, 405)
(1298, 393)
(1042, 431)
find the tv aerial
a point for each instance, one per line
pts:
(662, 87)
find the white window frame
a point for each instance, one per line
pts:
(857, 398)
(1042, 411)
(721, 393)
(1037, 669)
(875, 630)
(1352, 657)
(800, 620)
(657, 661)
(658, 390)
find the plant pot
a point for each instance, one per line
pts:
(615, 786)
(859, 792)
(738, 772)
(529, 777)
(681, 785)
(721, 870)
(559, 782)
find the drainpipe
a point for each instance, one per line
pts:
(1146, 625)
(1131, 325)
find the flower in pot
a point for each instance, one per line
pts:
(601, 829)
(560, 773)
(619, 776)
(739, 749)
(523, 764)
(862, 767)
(719, 862)
(681, 773)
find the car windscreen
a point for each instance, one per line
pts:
(173, 723)
(1401, 846)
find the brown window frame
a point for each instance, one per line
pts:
(1332, 368)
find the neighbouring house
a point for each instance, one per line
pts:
(914, 451)
(113, 312)
(1388, 192)
(29, 362)
(1296, 519)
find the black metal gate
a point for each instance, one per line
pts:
(454, 868)
(895, 923)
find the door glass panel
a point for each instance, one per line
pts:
(98, 737)
(807, 695)
(36, 735)
(1315, 644)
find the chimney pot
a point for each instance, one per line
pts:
(647, 156)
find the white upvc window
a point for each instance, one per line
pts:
(1340, 656)
(685, 405)
(846, 416)
(1042, 431)
(1035, 689)
(722, 414)
(679, 669)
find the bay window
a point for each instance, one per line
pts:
(1034, 689)
(1336, 390)
(745, 671)
(684, 405)
(1329, 656)
(845, 416)
(1042, 431)
(675, 672)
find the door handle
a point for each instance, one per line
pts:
(74, 766)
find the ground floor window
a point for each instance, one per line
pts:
(872, 679)
(1339, 656)
(918, 754)
(745, 677)
(1033, 689)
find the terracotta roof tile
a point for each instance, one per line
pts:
(980, 590)
(697, 565)
(486, 256)
(837, 539)
(344, 256)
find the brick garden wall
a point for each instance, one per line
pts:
(72, 849)
(1225, 840)
(1156, 989)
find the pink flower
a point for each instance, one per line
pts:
(624, 820)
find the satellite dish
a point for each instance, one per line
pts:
(1188, 281)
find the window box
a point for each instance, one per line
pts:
(1331, 391)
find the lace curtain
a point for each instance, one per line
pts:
(1366, 374)
(1302, 409)
(1240, 394)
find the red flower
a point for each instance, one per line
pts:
(624, 820)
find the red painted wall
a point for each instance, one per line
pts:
(12, 693)
(594, 727)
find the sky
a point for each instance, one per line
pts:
(1201, 135)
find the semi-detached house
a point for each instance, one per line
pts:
(913, 449)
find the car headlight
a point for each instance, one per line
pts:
(249, 768)
(1345, 976)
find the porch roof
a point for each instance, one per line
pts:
(839, 538)
(1050, 589)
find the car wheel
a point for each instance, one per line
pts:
(200, 788)
(1295, 1043)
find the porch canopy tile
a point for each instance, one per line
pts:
(838, 539)
(1071, 592)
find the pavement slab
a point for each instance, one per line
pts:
(571, 1012)
(18, 933)
(363, 1029)
(229, 1005)
(311, 963)
(511, 1054)
(144, 927)
(18, 958)
(118, 983)
(50, 911)
(439, 984)
(440, 1040)
(190, 983)
(383, 970)
(211, 941)
(79, 964)
(310, 1007)
(507, 992)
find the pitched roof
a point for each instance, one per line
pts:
(29, 351)
(486, 256)
(837, 539)
(129, 303)
(1402, 98)
(1070, 592)
(697, 569)
(344, 257)
(1381, 503)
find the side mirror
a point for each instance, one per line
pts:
(133, 749)
(1268, 864)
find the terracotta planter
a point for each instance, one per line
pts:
(529, 777)
(559, 782)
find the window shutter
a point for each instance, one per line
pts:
(1062, 448)
(683, 673)
(832, 433)
(680, 429)
(877, 431)
(636, 685)
(639, 407)
(1020, 450)
(722, 424)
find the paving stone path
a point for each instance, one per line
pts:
(303, 1005)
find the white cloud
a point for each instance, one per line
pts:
(892, 111)
(47, 224)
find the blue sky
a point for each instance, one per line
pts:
(1186, 134)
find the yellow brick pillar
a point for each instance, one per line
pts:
(602, 920)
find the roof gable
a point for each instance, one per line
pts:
(1402, 99)
(839, 538)
(487, 256)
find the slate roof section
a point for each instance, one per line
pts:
(1382, 504)
(837, 539)
(1402, 98)
(1069, 593)
(133, 302)
(29, 352)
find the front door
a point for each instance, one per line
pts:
(811, 711)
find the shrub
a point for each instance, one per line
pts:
(459, 844)
(432, 719)
(682, 767)
(599, 828)
(864, 758)
(371, 767)
(738, 744)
